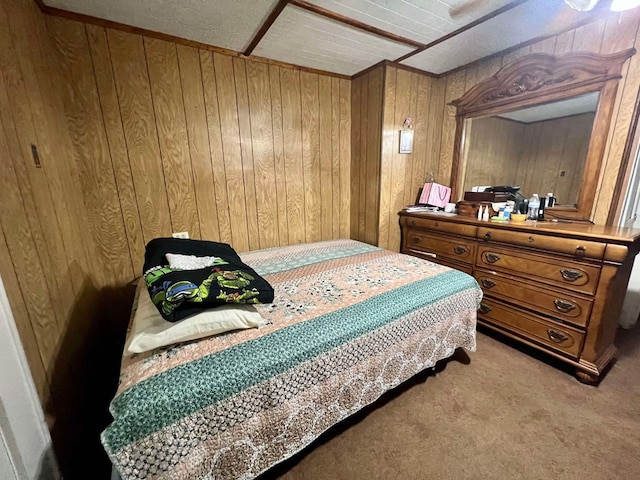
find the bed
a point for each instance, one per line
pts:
(348, 322)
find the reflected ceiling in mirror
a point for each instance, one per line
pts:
(542, 149)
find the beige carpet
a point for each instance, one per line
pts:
(498, 413)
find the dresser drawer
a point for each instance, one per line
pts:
(561, 338)
(546, 269)
(559, 304)
(457, 249)
(439, 226)
(568, 246)
(463, 267)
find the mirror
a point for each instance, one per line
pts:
(542, 149)
(540, 123)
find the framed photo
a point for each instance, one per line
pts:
(406, 141)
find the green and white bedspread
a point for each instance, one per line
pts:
(349, 321)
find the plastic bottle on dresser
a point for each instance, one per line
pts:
(534, 205)
(485, 214)
(551, 200)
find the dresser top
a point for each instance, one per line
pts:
(575, 229)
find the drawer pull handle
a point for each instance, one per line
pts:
(580, 251)
(415, 240)
(491, 257)
(487, 236)
(530, 239)
(556, 336)
(486, 283)
(460, 250)
(412, 223)
(437, 224)
(484, 308)
(564, 305)
(570, 275)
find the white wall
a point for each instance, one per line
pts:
(25, 443)
(629, 218)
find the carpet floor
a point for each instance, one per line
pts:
(502, 412)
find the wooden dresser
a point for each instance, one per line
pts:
(557, 287)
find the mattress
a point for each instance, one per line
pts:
(349, 321)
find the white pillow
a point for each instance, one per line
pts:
(149, 330)
(191, 262)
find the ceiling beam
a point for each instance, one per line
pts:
(273, 16)
(354, 23)
(464, 28)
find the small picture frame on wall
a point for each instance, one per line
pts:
(406, 141)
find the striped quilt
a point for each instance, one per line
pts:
(349, 321)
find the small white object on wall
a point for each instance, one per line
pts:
(406, 141)
(406, 136)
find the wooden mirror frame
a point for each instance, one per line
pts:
(537, 79)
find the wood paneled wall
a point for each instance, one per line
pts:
(419, 97)
(534, 155)
(367, 92)
(607, 35)
(225, 148)
(493, 152)
(385, 181)
(553, 156)
(60, 282)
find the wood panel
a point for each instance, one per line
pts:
(335, 157)
(291, 121)
(552, 157)
(246, 149)
(367, 94)
(278, 154)
(368, 209)
(112, 117)
(386, 157)
(92, 155)
(262, 139)
(385, 181)
(356, 152)
(398, 161)
(168, 109)
(366, 145)
(493, 152)
(26, 269)
(222, 147)
(230, 130)
(40, 188)
(129, 64)
(197, 131)
(345, 151)
(605, 35)
(52, 260)
(311, 155)
(212, 108)
(326, 168)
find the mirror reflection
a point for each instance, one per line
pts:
(542, 149)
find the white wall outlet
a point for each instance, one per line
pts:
(180, 234)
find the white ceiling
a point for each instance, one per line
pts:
(308, 39)
(563, 108)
